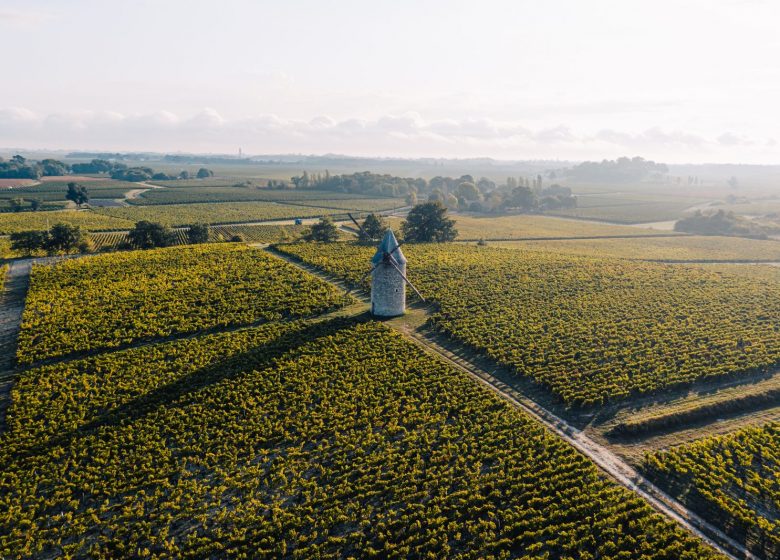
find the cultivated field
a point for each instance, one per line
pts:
(732, 480)
(11, 222)
(591, 330)
(157, 293)
(217, 213)
(300, 440)
(672, 249)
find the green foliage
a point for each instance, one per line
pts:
(111, 300)
(204, 173)
(324, 231)
(149, 235)
(731, 480)
(198, 233)
(300, 441)
(428, 222)
(720, 223)
(88, 220)
(61, 238)
(591, 330)
(374, 226)
(77, 194)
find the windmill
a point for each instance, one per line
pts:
(388, 277)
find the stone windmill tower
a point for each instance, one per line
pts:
(388, 278)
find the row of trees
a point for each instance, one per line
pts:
(19, 167)
(143, 173)
(426, 223)
(66, 238)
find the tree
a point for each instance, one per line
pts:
(429, 222)
(35, 204)
(29, 242)
(198, 233)
(184, 175)
(468, 191)
(64, 238)
(147, 235)
(374, 226)
(324, 230)
(411, 198)
(77, 193)
(521, 197)
(204, 173)
(16, 204)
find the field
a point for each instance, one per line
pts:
(87, 219)
(628, 212)
(680, 249)
(254, 233)
(532, 226)
(55, 190)
(182, 195)
(296, 440)
(731, 480)
(218, 213)
(590, 330)
(108, 301)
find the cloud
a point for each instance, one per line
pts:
(23, 18)
(406, 134)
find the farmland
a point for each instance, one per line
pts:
(680, 249)
(202, 194)
(590, 330)
(157, 293)
(55, 190)
(218, 213)
(87, 219)
(299, 440)
(532, 226)
(731, 479)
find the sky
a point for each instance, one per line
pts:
(674, 81)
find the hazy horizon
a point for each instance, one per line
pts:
(685, 82)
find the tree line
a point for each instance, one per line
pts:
(19, 167)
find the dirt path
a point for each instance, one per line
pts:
(17, 280)
(605, 459)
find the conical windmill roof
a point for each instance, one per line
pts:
(388, 244)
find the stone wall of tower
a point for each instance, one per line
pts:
(388, 291)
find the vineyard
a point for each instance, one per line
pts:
(299, 440)
(640, 212)
(111, 300)
(201, 194)
(55, 190)
(591, 330)
(731, 480)
(684, 248)
(525, 226)
(218, 213)
(11, 222)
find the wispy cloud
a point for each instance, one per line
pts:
(406, 134)
(24, 18)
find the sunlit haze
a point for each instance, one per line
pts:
(692, 81)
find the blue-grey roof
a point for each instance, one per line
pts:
(389, 242)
